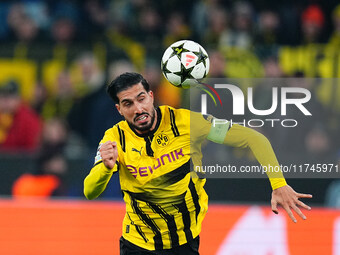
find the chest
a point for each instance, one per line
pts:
(150, 157)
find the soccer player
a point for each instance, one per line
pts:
(153, 149)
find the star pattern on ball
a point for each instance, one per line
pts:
(178, 50)
(165, 70)
(201, 57)
(185, 73)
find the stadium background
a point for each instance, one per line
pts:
(61, 54)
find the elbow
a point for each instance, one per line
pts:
(88, 192)
(89, 195)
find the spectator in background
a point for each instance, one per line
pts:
(95, 17)
(267, 35)
(20, 126)
(149, 32)
(318, 144)
(218, 62)
(218, 27)
(263, 94)
(49, 177)
(272, 68)
(267, 31)
(241, 27)
(199, 20)
(87, 115)
(176, 29)
(54, 136)
(335, 38)
(59, 102)
(65, 16)
(39, 98)
(22, 27)
(27, 38)
(312, 22)
(88, 118)
(63, 30)
(87, 74)
(83, 78)
(47, 181)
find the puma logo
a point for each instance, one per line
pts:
(139, 151)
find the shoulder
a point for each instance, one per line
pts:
(188, 115)
(165, 108)
(113, 133)
(178, 113)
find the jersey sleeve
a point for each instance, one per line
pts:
(99, 176)
(208, 127)
(200, 126)
(243, 137)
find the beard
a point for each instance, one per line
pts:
(145, 127)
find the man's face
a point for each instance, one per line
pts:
(136, 106)
(9, 103)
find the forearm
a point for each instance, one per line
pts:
(97, 180)
(239, 136)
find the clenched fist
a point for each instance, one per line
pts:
(108, 152)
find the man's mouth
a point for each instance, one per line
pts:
(141, 118)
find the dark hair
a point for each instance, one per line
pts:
(125, 81)
(9, 88)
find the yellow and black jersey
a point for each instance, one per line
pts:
(165, 206)
(165, 202)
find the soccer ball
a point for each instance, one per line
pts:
(184, 63)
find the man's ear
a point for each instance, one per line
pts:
(118, 108)
(151, 95)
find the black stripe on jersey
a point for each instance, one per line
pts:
(172, 177)
(162, 181)
(170, 221)
(194, 198)
(148, 222)
(149, 150)
(173, 123)
(140, 232)
(150, 197)
(121, 138)
(138, 229)
(183, 209)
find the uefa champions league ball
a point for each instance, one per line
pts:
(185, 63)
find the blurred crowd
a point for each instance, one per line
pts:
(56, 58)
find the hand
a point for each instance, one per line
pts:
(289, 199)
(109, 154)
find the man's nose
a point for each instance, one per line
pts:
(138, 108)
